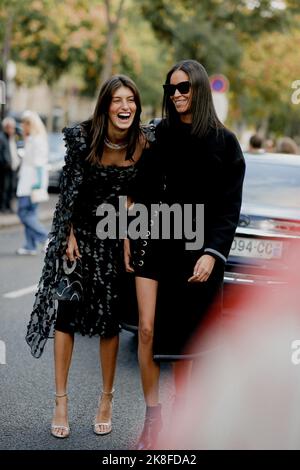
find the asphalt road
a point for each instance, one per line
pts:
(27, 384)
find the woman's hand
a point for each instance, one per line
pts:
(72, 250)
(203, 269)
(129, 203)
(127, 256)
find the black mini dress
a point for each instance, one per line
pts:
(189, 170)
(84, 188)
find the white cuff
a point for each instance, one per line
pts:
(215, 252)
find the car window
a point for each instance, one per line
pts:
(272, 184)
(56, 147)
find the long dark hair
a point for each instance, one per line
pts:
(97, 125)
(204, 116)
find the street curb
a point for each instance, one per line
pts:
(7, 221)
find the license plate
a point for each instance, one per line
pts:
(256, 248)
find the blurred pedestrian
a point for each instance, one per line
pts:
(201, 163)
(287, 145)
(33, 182)
(269, 145)
(256, 144)
(102, 161)
(9, 164)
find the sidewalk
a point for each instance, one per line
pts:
(46, 210)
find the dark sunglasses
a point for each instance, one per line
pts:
(182, 87)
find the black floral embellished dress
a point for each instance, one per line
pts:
(84, 188)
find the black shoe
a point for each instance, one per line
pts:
(152, 427)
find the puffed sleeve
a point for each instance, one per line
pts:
(226, 208)
(43, 315)
(72, 175)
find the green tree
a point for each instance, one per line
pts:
(30, 28)
(250, 41)
(112, 21)
(53, 36)
(267, 71)
(214, 31)
(147, 58)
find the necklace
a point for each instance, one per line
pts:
(113, 146)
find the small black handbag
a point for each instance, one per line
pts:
(68, 284)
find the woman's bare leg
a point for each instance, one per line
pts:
(63, 349)
(146, 296)
(108, 359)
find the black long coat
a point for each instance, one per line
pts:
(185, 169)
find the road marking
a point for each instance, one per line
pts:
(19, 293)
(2, 352)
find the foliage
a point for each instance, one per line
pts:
(211, 31)
(251, 41)
(52, 36)
(268, 69)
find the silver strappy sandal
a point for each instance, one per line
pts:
(106, 424)
(55, 428)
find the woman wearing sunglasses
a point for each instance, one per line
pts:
(200, 163)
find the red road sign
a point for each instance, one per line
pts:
(219, 83)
